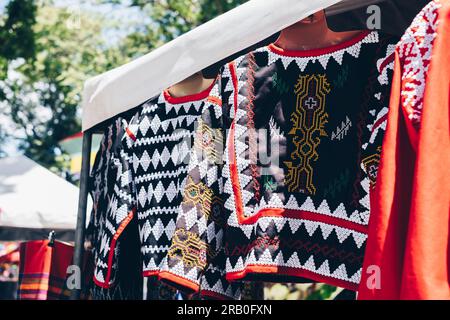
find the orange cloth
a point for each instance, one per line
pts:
(410, 219)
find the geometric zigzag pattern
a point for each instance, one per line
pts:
(322, 269)
(324, 59)
(129, 286)
(326, 226)
(326, 242)
(415, 52)
(201, 218)
(151, 169)
(325, 239)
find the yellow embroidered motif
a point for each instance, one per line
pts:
(199, 194)
(188, 247)
(208, 142)
(371, 164)
(308, 121)
(196, 193)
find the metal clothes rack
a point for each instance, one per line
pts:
(82, 207)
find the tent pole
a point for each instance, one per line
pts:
(82, 207)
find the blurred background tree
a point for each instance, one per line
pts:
(16, 33)
(42, 91)
(16, 41)
(50, 47)
(297, 291)
(169, 19)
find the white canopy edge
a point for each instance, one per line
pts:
(127, 86)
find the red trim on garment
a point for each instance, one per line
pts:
(214, 295)
(189, 98)
(130, 134)
(386, 61)
(305, 215)
(101, 284)
(112, 247)
(379, 122)
(178, 282)
(291, 272)
(150, 273)
(214, 100)
(317, 52)
(234, 175)
(235, 81)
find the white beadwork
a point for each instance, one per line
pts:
(302, 62)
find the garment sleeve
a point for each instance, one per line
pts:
(409, 229)
(119, 203)
(378, 112)
(196, 257)
(96, 187)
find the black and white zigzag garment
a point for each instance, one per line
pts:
(103, 174)
(151, 172)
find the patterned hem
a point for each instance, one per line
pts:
(273, 273)
(178, 282)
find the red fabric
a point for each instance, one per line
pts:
(189, 98)
(43, 269)
(320, 51)
(410, 219)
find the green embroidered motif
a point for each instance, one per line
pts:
(337, 185)
(342, 77)
(279, 84)
(269, 184)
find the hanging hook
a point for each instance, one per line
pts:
(51, 238)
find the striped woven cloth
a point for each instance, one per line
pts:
(43, 270)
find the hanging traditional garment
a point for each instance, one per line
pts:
(297, 169)
(151, 172)
(43, 270)
(129, 279)
(202, 215)
(407, 254)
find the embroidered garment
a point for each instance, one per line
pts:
(129, 279)
(297, 165)
(202, 215)
(151, 171)
(408, 247)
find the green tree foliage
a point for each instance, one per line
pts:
(43, 98)
(213, 8)
(292, 291)
(169, 19)
(43, 95)
(16, 33)
(16, 41)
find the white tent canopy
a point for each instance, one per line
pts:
(32, 197)
(125, 87)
